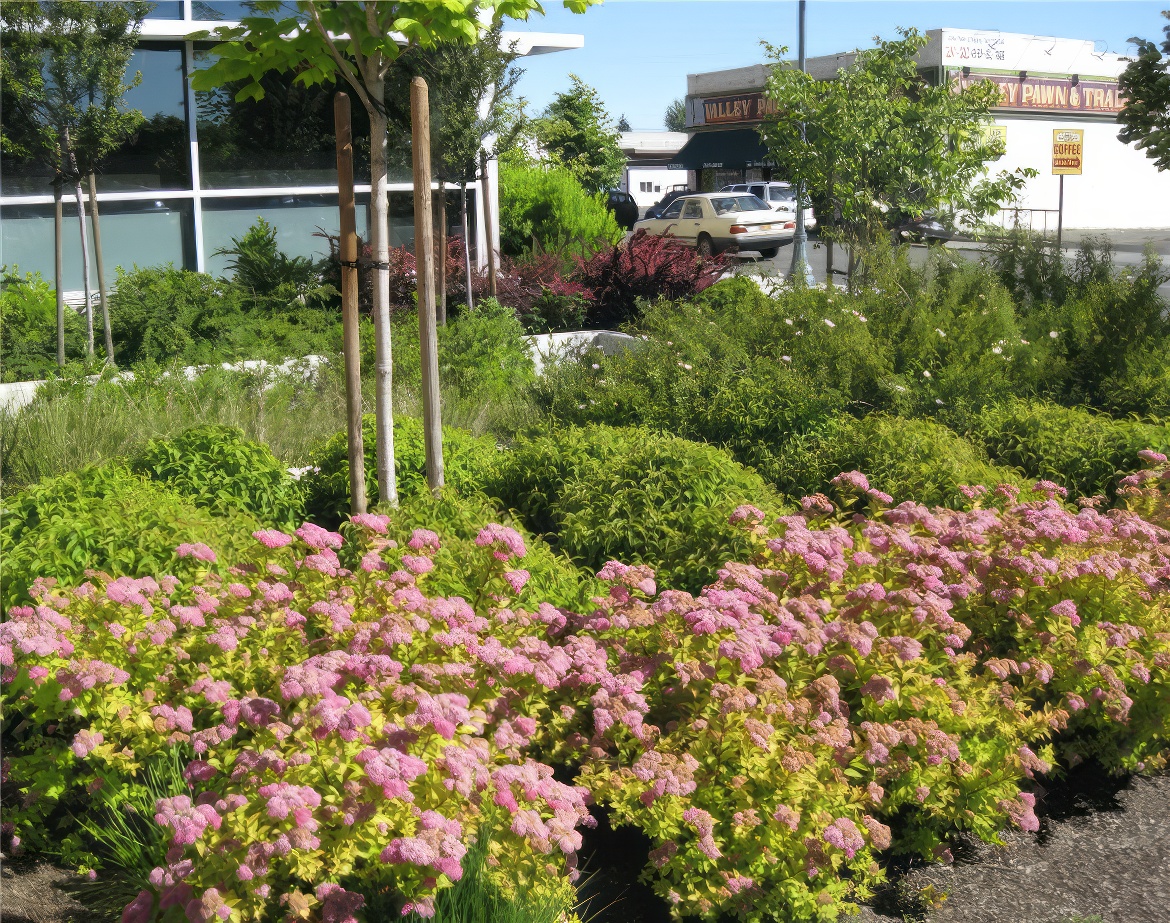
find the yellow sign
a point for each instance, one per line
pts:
(995, 134)
(1068, 151)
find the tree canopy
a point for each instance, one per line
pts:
(1145, 83)
(879, 143)
(577, 133)
(675, 118)
(63, 65)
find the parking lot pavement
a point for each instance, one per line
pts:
(1128, 250)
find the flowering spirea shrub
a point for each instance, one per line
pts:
(873, 677)
(344, 726)
(907, 669)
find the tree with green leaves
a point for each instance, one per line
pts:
(473, 110)
(623, 123)
(64, 67)
(1145, 83)
(675, 118)
(358, 43)
(576, 132)
(879, 143)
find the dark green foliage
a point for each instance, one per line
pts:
(1106, 325)
(107, 519)
(1084, 451)
(28, 327)
(576, 132)
(217, 469)
(600, 494)
(163, 313)
(485, 353)
(1145, 86)
(466, 461)
(260, 267)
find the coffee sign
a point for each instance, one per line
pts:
(745, 107)
(1068, 151)
(1053, 94)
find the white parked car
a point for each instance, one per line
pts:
(712, 222)
(780, 196)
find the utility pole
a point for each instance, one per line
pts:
(800, 268)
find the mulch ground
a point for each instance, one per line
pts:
(1102, 854)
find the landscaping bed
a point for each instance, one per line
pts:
(787, 599)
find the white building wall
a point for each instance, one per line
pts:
(1120, 188)
(659, 178)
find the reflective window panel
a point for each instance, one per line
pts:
(296, 220)
(156, 157)
(149, 233)
(284, 139)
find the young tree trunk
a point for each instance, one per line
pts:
(97, 252)
(466, 242)
(441, 275)
(84, 246)
(424, 258)
(59, 266)
(485, 193)
(383, 361)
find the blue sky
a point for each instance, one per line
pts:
(638, 52)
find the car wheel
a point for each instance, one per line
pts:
(769, 253)
(705, 246)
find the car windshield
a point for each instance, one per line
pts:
(781, 194)
(729, 204)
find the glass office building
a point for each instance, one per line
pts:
(202, 168)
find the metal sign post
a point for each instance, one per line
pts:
(1068, 159)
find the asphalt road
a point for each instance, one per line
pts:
(1128, 250)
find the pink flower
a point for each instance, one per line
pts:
(746, 513)
(139, 910)
(1068, 609)
(853, 480)
(505, 542)
(86, 742)
(417, 564)
(375, 523)
(421, 539)
(272, 538)
(317, 538)
(340, 906)
(843, 834)
(517, 579)
(196, 550)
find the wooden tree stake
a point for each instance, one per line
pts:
(485, 191)
(348, 252)
(424, 258)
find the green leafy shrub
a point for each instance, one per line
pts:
(919, 460)
(483, 352)
(1084, 451)
(467, 459)
(107, 519)
(217, 469)
(1103, 321)
(547, 209)
(162, 313)
(952, 336)
(28, 327)
(259, 266)
(602, 494)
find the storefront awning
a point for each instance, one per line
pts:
(722, 150)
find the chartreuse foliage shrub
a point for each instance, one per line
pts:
(600, 494)
(216, 468)
(868, 679)
(108, 519)
(917, 460)
(1084, 451)
(466, 461)
(547, 209)
(350, 732)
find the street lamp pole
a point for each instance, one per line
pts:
(800, 267)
